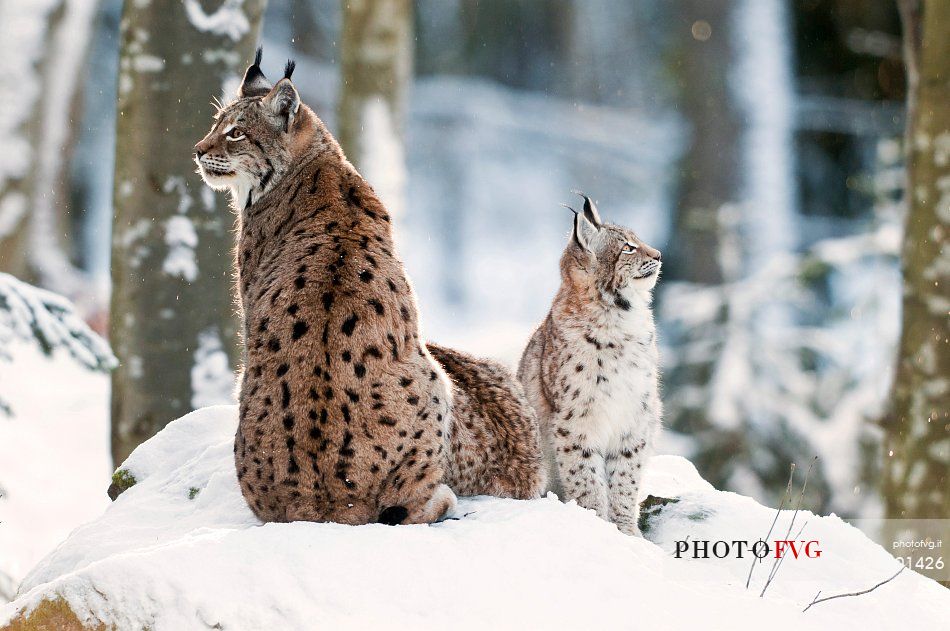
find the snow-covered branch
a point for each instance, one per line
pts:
(49, 320)
(789, 382)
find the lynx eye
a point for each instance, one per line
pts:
(234, 135)
(629, 248)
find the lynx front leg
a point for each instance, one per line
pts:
(625, 464)
(581, 471)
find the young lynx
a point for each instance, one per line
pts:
(590, 370)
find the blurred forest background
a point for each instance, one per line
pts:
(758, 143)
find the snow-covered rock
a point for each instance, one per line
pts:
(181, 550)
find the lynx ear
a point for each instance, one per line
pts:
(284, 102)
(590, 210)
(255, 83)
(584, 231)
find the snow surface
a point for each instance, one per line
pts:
(54, 455)
(181, 550)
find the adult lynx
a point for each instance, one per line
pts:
(344, 414)
(343, 411)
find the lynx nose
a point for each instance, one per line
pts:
(201, 148)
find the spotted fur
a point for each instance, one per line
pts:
(590, 370)
(493, 441)
(343, 412)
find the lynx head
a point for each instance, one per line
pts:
(609, 258)
(252, 142)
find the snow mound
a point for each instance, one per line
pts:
(181, 550)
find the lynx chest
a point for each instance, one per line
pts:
(612, 377)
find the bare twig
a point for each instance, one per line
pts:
(801, 498)
(788, 494)
(817, 600)
(778, 563)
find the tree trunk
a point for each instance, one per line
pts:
(917, 443)
(375, 70)
(40, 86)
(313, 27)
(709, 178)
(173, 322)
(736, 214)
(709, 185)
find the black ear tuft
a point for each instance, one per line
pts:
(255, 83)
(289, 68)
(590, 210)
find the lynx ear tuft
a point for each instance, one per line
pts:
(590, 210)
(289, 68)
(255, 83)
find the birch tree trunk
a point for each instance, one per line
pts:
(173, 324)
(917, 443)
(43, 45)
(376, 68)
